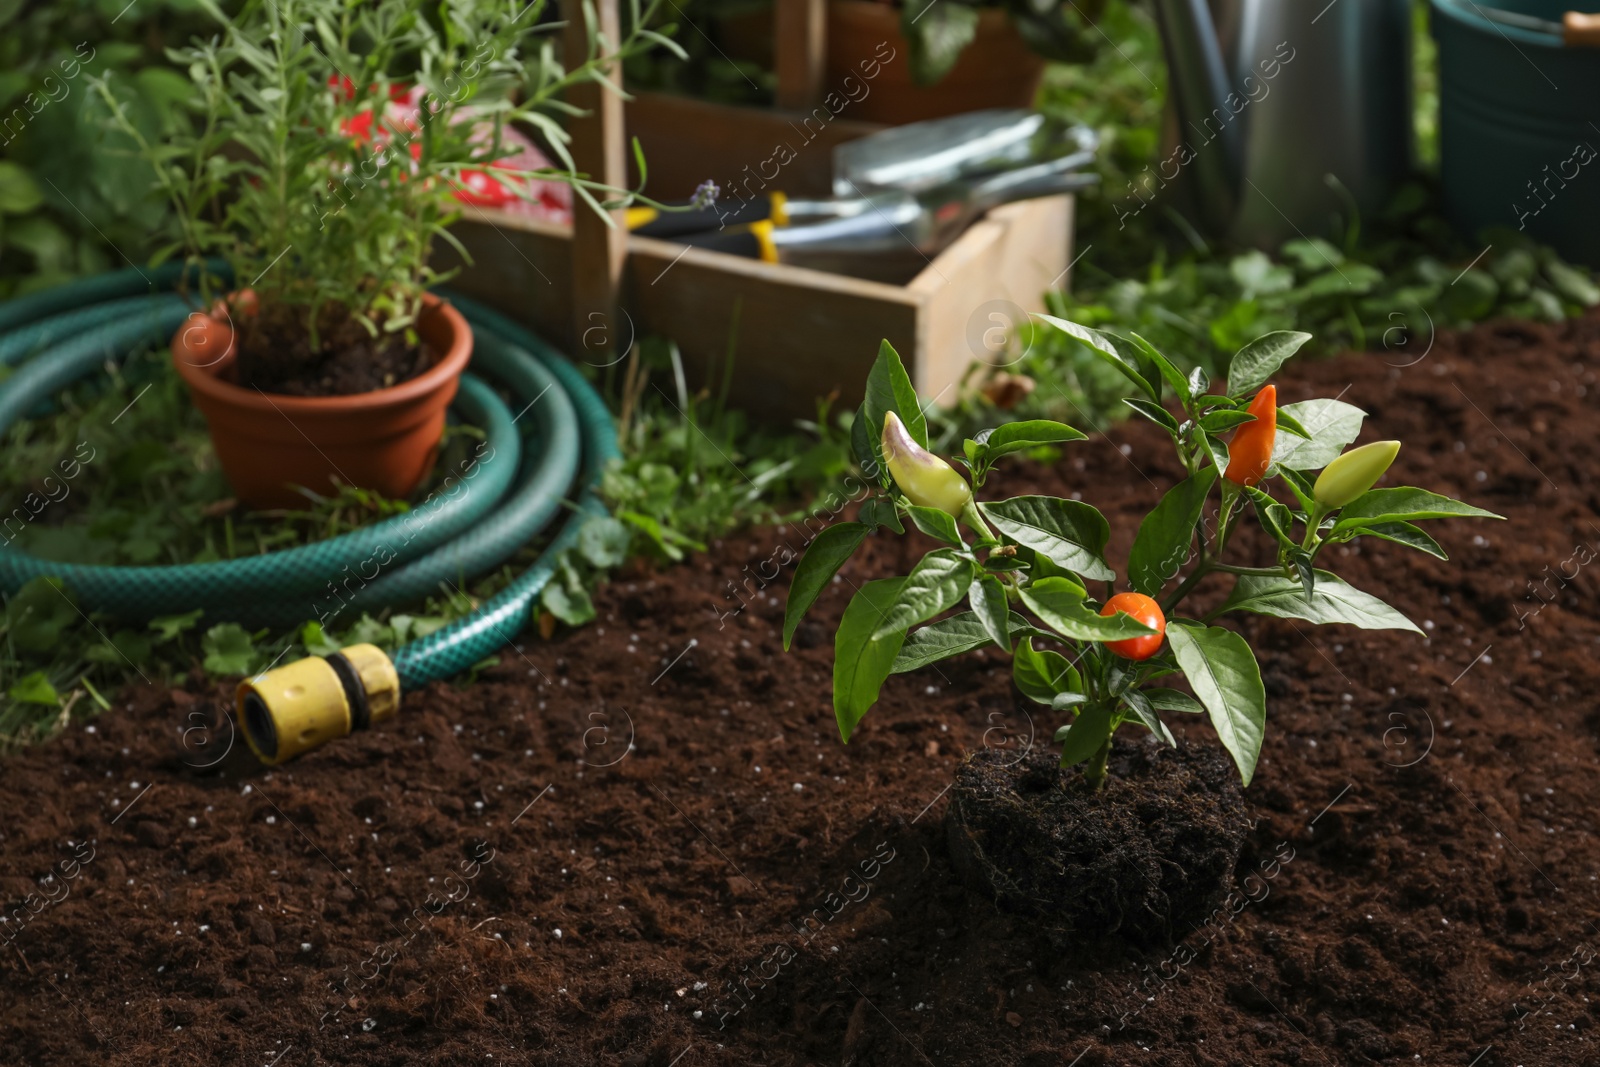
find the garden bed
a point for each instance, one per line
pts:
(740, 888)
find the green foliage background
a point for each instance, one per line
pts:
(71, 201)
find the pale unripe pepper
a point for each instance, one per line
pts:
(925, 479)
(1353, 473)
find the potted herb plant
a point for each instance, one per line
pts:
(941, 57)
(1101, 650)
(325, 153)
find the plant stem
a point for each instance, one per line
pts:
(1094, 772)
(1312, 540)
(1186, 587)
(1213, 562)
(974, 518)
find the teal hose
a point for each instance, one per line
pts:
(560, 431)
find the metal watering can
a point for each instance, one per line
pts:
(1273, 96)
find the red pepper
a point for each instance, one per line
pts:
(1145, 610)
(1250, 451)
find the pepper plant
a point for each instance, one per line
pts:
(1097, 648)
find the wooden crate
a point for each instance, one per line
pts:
(796, 334)
(801, 333)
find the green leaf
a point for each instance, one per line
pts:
(935, 523)
(1217, 449)
(604, 541)
(1060, 604)
(567, 599)
(34, 688)
(1063, 701)
(1404, 504)
(1257, 361)
(1162, 544)
(1302, 567)
(950, 637)
(1223, 421)
(862, 662)
(1301, 486)
(315, 641)
(988, 599)
(1174, 700)
(229, 649)
(1274, 517)
(1070, 532)
(573, 609)
(1289, 424)
(369, 631)
(1226, 678)
(1154, 412)
(19, 193)
(1331, 601)
(823, 558)
(39, 614)
(1403, 533)
(121, 648)
(168, 627)
(937, 583)
(1041, 674)
(1102, 348)
(1332, 424)
(1021, 436)
(881, 511)
(889, 389)
(1573, 284)
(669, 541)
(1086, 734)
(866, 447)
(1144, 710)
(1312, 253)
(1165, 368)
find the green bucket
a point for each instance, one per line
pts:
(1519, 127)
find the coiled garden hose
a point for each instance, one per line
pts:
(499, 502)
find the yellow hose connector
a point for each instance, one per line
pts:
(303, 705)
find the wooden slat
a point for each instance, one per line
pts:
(518, 266)
(797, 334)
(995, 272)
(598, 249)
(800, 333)
(800, 45)
(688, 141)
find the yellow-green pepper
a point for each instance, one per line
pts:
(925, 479)
(1353, 473)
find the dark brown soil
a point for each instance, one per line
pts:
(276, 355)
(1149, 855)
(739, 888)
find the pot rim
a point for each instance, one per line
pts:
(205, 380)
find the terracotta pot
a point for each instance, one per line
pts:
(996, 70)
(385, 440)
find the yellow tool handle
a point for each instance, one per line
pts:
(1580, 31)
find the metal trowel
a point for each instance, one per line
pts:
(874, 236)
(925, 155)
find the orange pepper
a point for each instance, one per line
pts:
(1250, 451)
